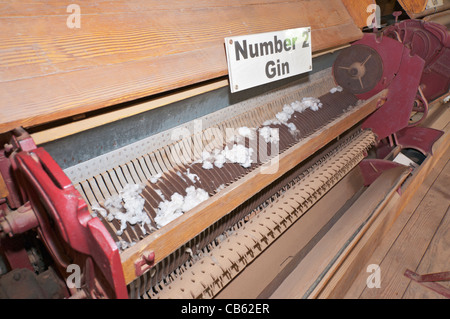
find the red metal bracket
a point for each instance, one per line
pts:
(419, 138)
(56, 202)
(144, 263)
(371, 168)
(429, 281)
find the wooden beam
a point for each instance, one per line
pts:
(125, 50)
(358, 11)
(169, 238)
(83, 124)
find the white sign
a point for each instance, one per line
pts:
(266, 57)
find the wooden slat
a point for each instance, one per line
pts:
(126, 50)
(350, 280)
(358, 10)
(332, 249)
(436, 258)
(418, 8)
(413, 6)
(266, 272)
(167, 239)
(419, 230)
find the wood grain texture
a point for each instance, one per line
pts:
(436, 258)
(350, 280)
(358, 10)
(418, 8)
(413, 6)
(126, 50)
(418, 232)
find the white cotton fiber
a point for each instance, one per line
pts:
(239, 154)
(336, 89)
(154, 179)
(207, 165)
(126, 207)
(178, 205)
(291, 126)
(283, 117)
(193, 177)
(270, 135)
(246, 132)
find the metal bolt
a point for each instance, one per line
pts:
(149, 256)
(17, 276)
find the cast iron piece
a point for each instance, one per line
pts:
(358, 69)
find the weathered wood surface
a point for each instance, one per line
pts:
(420, 8)
(126, 50)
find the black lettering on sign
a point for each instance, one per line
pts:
(277, 69)
(305, 35)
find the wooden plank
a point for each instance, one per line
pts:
(413, 192)
(418, 8)
(61, 131)
(413, 6)
(125, 50)
(358, 11)
(349, 280)
(435, 260)
(419, 230)
(167, 239)
(3, 189)
(332, 249)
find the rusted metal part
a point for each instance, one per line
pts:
(25, 284)
(431, 42)
(429, 281)
(358, 69)
(19, 220)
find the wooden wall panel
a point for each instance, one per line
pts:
(420, 8)
(126, 50)
(358, 10)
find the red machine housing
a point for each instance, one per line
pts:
(51, 204)
(415, 59)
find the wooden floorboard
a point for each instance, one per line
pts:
(412, 244)
(436, 259)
